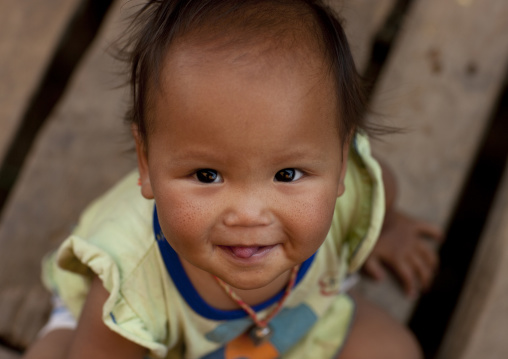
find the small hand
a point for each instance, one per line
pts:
(404, 247)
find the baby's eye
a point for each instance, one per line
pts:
(288, 175)
(207, 175)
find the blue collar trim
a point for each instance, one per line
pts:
(189, 293)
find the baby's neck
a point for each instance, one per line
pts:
(215, 296)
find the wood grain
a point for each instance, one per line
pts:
(362, 19)
(480, 323)
(31, 31)
(440, 84)
(82, 150)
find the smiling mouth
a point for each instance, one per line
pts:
(246, 252)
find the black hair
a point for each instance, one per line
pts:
(159, 23)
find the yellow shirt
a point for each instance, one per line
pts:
(115, 240)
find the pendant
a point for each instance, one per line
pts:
(260, 334)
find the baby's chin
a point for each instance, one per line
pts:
(256, 280)
(250, 284)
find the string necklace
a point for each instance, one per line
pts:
(261, 329)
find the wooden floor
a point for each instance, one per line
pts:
(441, 80)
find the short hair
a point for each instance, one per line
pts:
(158, 23)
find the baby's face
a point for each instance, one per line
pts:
(244, 161)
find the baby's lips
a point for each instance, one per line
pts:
(244, 252)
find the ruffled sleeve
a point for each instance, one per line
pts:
(114, 241)
(359, 212)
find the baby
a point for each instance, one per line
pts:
(257, 196)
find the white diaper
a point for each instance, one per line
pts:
(60, 318)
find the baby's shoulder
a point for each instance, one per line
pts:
(119, 222)
(122, 207)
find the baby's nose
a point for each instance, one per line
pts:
(248, 210)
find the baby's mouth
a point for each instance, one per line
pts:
(245, 252)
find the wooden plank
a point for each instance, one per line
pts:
(362, 20)
(30, 32)
(480, 323)
(8, 354)
(440, 83)
(78, 155)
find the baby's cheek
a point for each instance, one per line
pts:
(312, 220)
(182, 221)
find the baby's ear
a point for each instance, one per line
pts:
(343, 169)
(144, 174)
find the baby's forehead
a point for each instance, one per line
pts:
(243, 80)
(286, 52)
(258, 53)
(195, 70)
